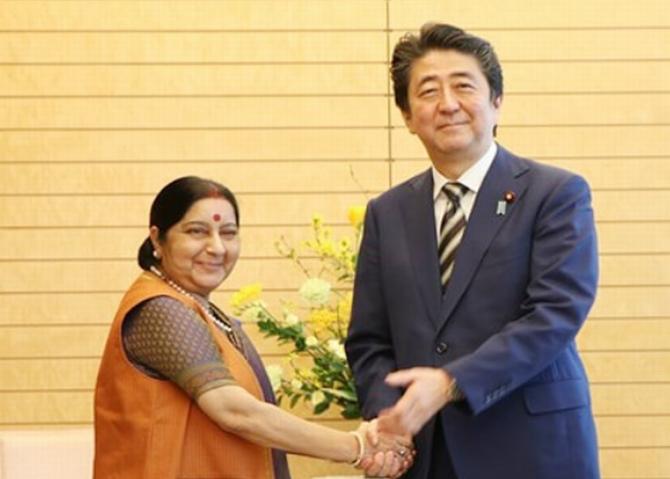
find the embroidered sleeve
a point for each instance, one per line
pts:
(166, 339)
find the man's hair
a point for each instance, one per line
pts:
(440, 36)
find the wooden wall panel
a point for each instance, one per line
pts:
(634, 237)
(46, 146)
(601, 77)
(197, 15)
(627, 399)
(195, 47)
(38, 374)
(634, 270)
(633, 463)
(46, 408)
(641, 334)
(614, 205)
(634, 431)
(193, 113)
(102, 102)
(628, 366)
(626, 302)
(53, 342)
(198, 80)
(146, 178)
(408, 14)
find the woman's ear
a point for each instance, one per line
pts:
(153, 236)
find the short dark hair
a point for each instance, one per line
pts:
(440, 36)
(172, 203)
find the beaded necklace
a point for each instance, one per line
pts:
(219, 321)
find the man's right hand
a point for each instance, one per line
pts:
(386, 455)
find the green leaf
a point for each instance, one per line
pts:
(351, 411)
(321, 407)
(294, 400)
(341, 393)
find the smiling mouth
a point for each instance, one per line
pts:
(451, 125)
(212, 266)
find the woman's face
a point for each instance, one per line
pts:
(200, 251)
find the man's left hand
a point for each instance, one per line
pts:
(428, 391)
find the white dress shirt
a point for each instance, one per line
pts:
(472, 178)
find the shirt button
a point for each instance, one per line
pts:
(441, 348)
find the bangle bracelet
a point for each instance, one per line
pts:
(361, 448)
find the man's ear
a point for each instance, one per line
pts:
(497, 102)
(407, 116)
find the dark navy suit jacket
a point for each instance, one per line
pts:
(521, 288)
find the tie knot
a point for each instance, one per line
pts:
(454, 191)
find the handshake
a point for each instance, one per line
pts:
(386, 448)
(383, 454)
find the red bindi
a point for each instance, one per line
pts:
(216, 217)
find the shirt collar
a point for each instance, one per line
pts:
(472, 177)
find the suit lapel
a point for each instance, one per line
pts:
(419, 220)
(505, 174)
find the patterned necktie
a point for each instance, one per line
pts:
(451, 229)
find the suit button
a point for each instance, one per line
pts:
(441, 348)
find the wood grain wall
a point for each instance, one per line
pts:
(103, 102)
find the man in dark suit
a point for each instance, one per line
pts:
(473, 279)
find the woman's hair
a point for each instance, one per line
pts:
(172, 203)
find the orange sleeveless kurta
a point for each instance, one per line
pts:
(147, 428)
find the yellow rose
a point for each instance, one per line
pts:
(322, 318)
(356, 215)
(246, 294)
(344, 307)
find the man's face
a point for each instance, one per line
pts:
(450, 108)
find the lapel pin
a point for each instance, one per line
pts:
(508, 198)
